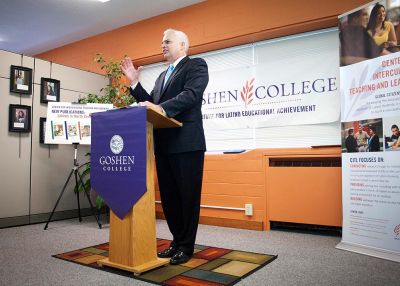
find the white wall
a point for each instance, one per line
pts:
(33, 174)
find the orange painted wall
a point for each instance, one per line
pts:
(229, 180)
(210, 25)
(233, 180)
(304, 194)
(308, 195)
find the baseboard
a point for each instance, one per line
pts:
(61, 215)
(307, 228)
(43, 217)
(14, 221)
(224, 222)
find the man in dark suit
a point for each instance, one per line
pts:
(179, 152)
(373, 141)
(351, 142)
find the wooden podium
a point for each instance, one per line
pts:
(133, 245)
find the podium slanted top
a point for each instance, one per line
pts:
(159, 120)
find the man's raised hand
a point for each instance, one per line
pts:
(129, 70)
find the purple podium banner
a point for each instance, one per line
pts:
(118, 157)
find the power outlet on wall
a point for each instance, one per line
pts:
(248, 209)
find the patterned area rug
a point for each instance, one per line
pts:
(208, 266)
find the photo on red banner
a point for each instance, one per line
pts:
(370, 32)
(362, 136)
(391, 133)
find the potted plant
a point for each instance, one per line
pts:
(115, 92)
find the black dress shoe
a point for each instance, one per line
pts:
(179, 258)
(169, 252)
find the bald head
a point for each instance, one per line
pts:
(175, 44)
(181, 36)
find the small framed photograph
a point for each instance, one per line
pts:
(42, 129)
(50, 90)
(21, 80)
(19, 118)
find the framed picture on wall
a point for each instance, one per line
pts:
(21, 80)
(50, 90)
(42, 129)
(19, 119)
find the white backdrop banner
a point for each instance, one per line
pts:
(266, 94)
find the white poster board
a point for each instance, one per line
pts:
(69, 123)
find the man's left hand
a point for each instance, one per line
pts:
(152, 105)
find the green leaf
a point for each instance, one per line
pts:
(99, 202)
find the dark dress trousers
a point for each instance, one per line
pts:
(179, 152)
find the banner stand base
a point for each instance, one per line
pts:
(371, 251)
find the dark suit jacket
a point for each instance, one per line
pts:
(351, 144)
(374, 145)
(181, 98)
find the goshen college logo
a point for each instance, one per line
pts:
(116, 144)
(262, 93)
(117, 163)
(247, 92)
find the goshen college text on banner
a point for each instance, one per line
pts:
(255, 98)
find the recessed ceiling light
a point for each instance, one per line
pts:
(103, 1)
